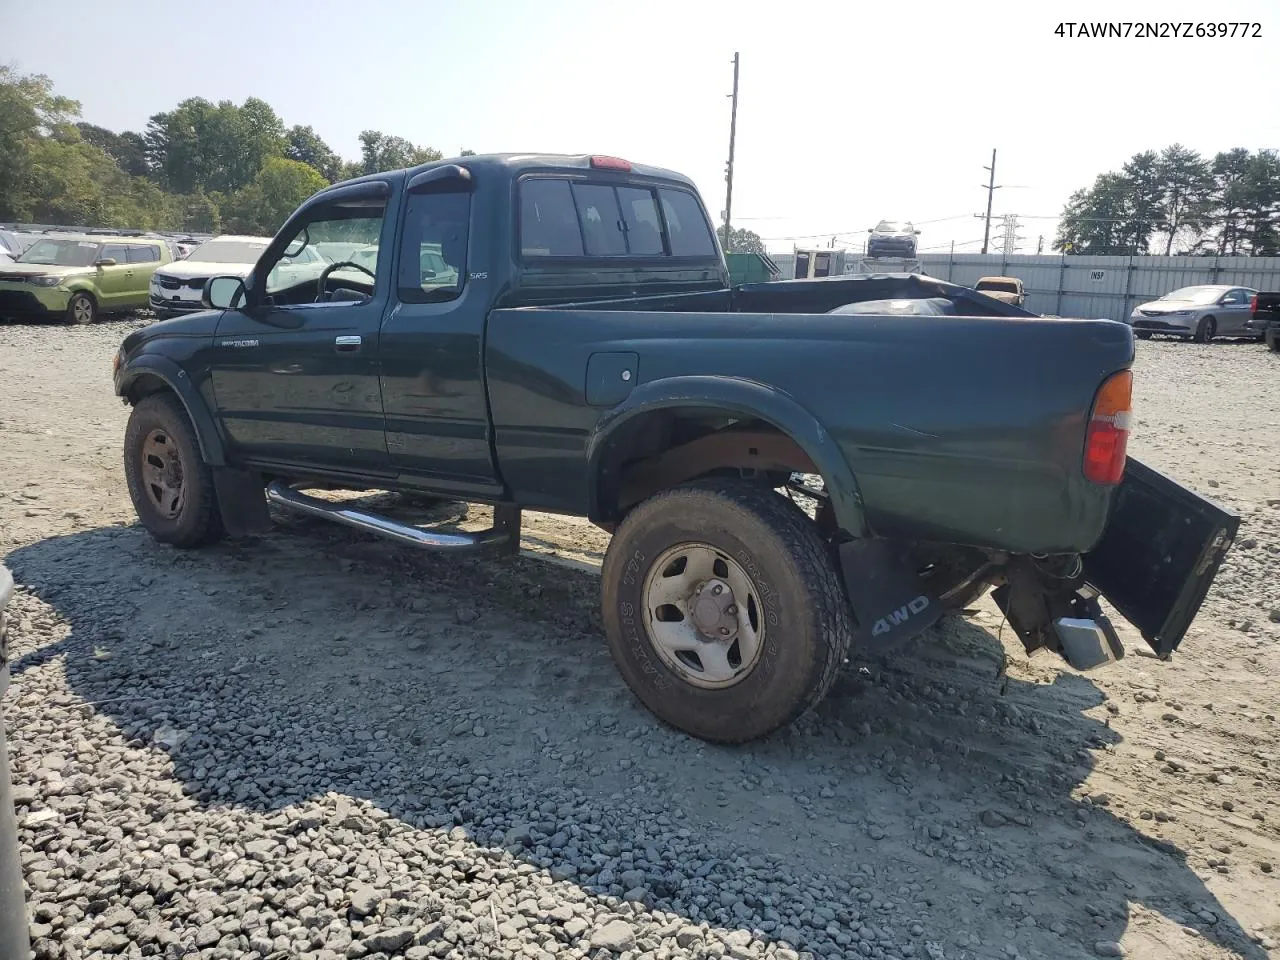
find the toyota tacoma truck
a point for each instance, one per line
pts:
(783, 484)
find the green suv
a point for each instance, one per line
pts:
(79, 277)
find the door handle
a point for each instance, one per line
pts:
(347, 344)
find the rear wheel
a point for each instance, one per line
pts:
(1207, 327)
(1142, 334)
(169, 483)
(81, 309)
(724, 610)
(1272, 338)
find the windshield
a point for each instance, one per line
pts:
(892, 226)
(1196, 294)
(227, 251)
(61, 253)
(1003, 286)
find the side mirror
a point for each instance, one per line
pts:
(223, 293)
(105, 262)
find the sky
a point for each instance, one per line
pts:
(849, 112)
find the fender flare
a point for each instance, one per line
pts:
(740, 397)
(176, 379)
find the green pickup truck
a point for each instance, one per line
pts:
(782, 483)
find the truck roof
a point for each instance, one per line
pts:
(514, 164)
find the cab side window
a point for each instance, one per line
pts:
(114, 251)
(433, 246)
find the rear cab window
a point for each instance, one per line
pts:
(584, 218)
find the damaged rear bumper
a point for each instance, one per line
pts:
(1155, 562)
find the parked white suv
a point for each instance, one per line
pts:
(179, 286)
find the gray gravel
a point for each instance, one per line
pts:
(317, 745)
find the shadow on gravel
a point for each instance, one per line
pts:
(479, 695)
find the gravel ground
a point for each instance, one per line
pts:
(320, 745)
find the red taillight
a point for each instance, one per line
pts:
(1253, 304)
(1108, 433)
(610, 163)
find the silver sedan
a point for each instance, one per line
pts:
(1197, 313)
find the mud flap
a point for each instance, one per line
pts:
(889, 600)
(1159, 554)
(242, 501)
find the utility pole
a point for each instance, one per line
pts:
(991, 189)
(728, 174)
(1040, 245)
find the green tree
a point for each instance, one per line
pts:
(30, 111)
(206, 146)
(1260, 214)
(1231, 184)
(740, 240)
(380, 152)
(1096, 222)
(264, 205)
(1187, 197)
(1143, 191)
(127, 149)
(305, 146)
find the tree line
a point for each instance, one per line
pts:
(1177, 202)
(201, 167)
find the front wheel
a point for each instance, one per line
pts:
(169, 483)
(81, 310)
(724, 610)
(1205, 330)
(1142, 334)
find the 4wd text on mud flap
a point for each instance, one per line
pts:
(897, 618)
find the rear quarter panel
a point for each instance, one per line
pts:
(962, 430)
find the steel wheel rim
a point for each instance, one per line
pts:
(82, 310)
(162, 474)
(703, 615)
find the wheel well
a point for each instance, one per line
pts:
(658, 450)
(144, 385)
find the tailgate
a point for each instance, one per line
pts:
(1161, 549)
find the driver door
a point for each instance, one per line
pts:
(294, 370)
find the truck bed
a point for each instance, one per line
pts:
(963, 430)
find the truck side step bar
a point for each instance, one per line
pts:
(505, 531)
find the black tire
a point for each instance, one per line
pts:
(807, 622)
(1142, 334)
(82, 309)
(1207, 327)
(1272, 339)
(158, 435)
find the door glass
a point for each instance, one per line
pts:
(433, 252)
(114, 251)
(354, 228)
